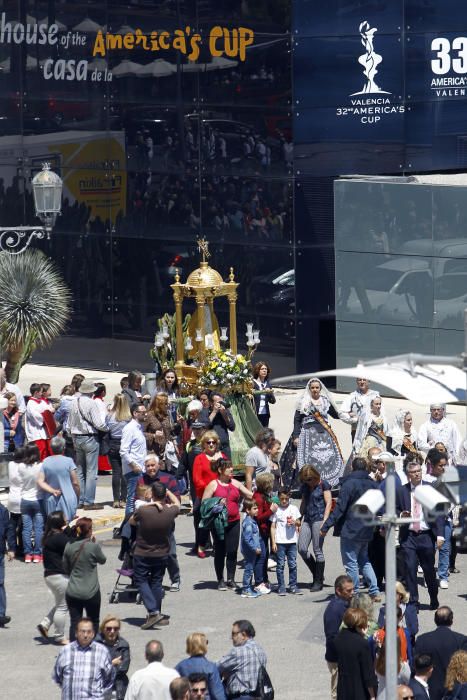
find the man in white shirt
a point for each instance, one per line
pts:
(353, 405)
(154, 680)
(84, 423)
(440, 429)
(6, 387)
(133, 453)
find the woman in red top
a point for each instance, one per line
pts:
(231, 492)
(262, 496)
(203, 473)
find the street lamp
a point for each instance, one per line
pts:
(367, 507)
(47, 189)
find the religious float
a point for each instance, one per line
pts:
(205, 356)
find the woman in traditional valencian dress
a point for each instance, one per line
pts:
(372, 429)
(403, 437)
(313, 437)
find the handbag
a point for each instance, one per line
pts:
(264, 689)
(103, 438)
(104, 443)
(182, 485)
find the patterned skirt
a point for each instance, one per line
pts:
(316, 447)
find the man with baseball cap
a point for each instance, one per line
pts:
(84, 423)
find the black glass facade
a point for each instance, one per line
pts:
(153, 150)
(228, 118)
(401, 283)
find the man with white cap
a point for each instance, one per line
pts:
(84, 423)
(439, 429)
(353, 405)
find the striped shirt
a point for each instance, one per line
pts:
(84, 672)
(84, 417)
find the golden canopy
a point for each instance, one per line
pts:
(203, 285)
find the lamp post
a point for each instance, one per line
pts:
(389, 520)
(47, 190)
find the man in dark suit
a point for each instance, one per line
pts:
(332, 619)
(441, 645)
(423, 667)
(418, 539)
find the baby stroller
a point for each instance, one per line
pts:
(127, 535)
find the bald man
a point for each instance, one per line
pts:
(404, 693)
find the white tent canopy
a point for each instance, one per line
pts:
(126, 68)
(416, 381)
(87, 25)
(157, 69)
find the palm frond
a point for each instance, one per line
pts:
(33, 298)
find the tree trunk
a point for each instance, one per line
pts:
(17, 356)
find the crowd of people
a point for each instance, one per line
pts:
(161, 447)
(431, 666)
(96, 666)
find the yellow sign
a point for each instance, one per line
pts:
(88, 177)
(221, 40)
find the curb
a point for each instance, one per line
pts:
(103, 520)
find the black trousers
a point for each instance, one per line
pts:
(420, 547)
(16, 526)
(225, 551)
(119, 488)
(76, 607)
(201, 533)
(264, 419)
(376, 555)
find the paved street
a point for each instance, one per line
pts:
(290, 629)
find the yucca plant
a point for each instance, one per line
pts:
(34, 306)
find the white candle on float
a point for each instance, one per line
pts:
(159, 340)
(165, 331)
(223, 336)
(209, 341)
(198, 337)
(249, 329)
(188, 344)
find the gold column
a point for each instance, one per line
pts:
(200, 304)
(233, 321)
(179, 329)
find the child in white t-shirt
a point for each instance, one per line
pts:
(284, 537)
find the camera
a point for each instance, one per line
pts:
(368, 505)
(433, 503)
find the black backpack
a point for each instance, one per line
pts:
(264, 688)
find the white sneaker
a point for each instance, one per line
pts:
(262, 589)
(419, 570)
(443, 583)
(271, 564)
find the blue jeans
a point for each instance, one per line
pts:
(87, 456)
(149, 573)
(251, 563)
(354, 557)
(33, 519)
(444, 552)
(261, 566)
(131, 479)
(288, 551)
(2, 586)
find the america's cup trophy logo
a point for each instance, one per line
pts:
(370, 60)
